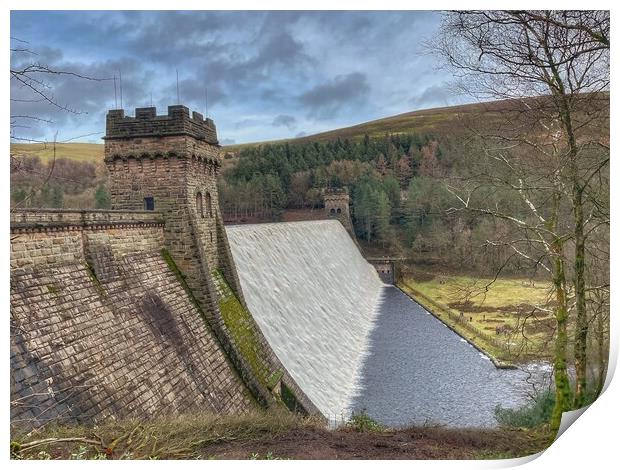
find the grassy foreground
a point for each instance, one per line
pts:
(509, 319)
(271, 436)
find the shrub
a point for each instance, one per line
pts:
(532, 414)
(535, 413)
(361, 422)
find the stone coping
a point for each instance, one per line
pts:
(41, 219)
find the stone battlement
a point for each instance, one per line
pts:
(338, 194)
(147, 123)
(336, 197)
(25, 220)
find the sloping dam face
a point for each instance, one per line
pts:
(352, 343)
(314, 297)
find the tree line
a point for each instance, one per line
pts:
(58, 183)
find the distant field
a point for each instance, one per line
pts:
(503, 316)
(75, 151)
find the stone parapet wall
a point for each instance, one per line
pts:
(58, 237)
(146, 123)
(34, 219)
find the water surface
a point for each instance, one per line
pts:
(419, 371)
(314, 297)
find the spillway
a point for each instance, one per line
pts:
(315, 299)
(352, 343)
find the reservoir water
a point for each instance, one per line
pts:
(352, 343)
(419, 371)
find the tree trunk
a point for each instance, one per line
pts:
(581, 323)
(601, 350)
(581, 320)
(562, 384)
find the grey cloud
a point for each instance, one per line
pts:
(284, 120)
(81, 101)
(246, 123)
(297, 63)
(192, 92)
(330, 98)
(301, 134)
(281, 48)
(434, 95)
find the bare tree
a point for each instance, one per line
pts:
(553, 66)
(30, 80)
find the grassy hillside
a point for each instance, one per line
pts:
(503, 321)
(450, 119)
(91, 153)
(426, 121)
(435, 120)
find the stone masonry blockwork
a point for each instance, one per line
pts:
(85, 346)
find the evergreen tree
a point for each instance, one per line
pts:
(102, 197)
(56, 197)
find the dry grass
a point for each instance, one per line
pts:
(181, 437)
(92, 153)
(513, 312)
(272, 436)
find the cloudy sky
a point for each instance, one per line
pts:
(267, 75)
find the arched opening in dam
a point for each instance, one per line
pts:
(353, 343)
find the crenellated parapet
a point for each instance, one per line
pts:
(336, 202)
(146, 123)
(147, 135)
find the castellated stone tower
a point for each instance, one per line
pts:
(169, 164)
(337, 205)
(336, 202)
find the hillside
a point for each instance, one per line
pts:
(436, 121)
(91, 153)
(451, 119)
(427, 121)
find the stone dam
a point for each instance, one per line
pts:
(314, 297)
(155, 308)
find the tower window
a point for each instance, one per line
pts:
(338, 210)
(149, 204)
(208, 202)
(332, 211)
(199, 208)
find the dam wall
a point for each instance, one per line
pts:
(101, 326)
(139, 311)
(315, 299)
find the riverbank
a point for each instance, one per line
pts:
(264, 435)
(506, 321)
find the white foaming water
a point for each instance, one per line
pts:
(315, 299)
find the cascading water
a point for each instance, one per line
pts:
(315, 299)
(352, 343)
